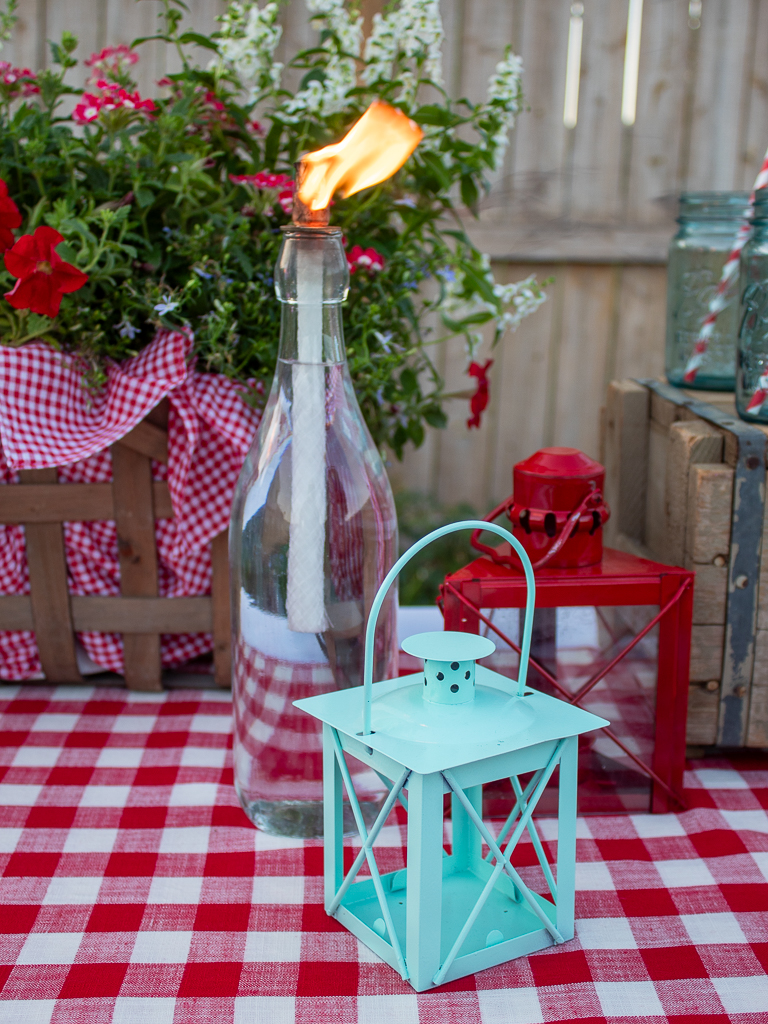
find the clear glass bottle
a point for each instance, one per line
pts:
(313, 534)
(709, 222)
(752, 367)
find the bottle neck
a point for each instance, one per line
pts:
(311, 333)
(311, 282)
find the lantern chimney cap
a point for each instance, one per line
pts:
(448, 646)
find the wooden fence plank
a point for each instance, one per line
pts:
(222, 616)
(59, 503)
(519, 387)
(536, 171)
(577, 368)
(135, 521)
(597, 137)
(718, 95)
(49, 593)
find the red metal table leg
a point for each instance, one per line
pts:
(672, 694)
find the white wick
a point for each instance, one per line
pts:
(305, 601)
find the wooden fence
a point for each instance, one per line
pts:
(592, 206)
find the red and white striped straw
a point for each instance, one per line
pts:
(718, 301)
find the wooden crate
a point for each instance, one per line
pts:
(134, 501)
(670, 474)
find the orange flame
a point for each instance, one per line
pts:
(371, 151)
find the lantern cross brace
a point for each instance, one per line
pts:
(575, 698)
(503, 862)
(366, 852)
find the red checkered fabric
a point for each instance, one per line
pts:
(47, 418)
(135, 890)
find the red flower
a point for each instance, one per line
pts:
(9, 218)
(43, 275)
(479, 401)
(113, 60)
(17, 81)
(263, 180)
(113, 97)
(368, 259)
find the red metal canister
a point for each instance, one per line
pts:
(557, 510)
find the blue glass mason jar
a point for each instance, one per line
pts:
(752, 368)
(709, 222)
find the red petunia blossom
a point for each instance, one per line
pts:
(368, 259)
(479, 401)
(9, 218)
(113, 97)
(17, 81)
(113, 60)
(263, 180)
(43, 275)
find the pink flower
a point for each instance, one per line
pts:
(113, 97)
(17, 81)
(367, 259)
(263, 180)
(255, 128)
(112, 62)
(479, 401)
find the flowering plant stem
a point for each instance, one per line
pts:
(172, 206)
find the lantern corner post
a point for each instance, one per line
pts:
(423, 924)
(566, 837)
(333, 826)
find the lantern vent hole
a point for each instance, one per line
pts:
(455, 688)
(454, 666)
(440, 676)
(467, 674)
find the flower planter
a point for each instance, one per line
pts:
(134, 501)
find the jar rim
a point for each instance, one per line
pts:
(723, 206)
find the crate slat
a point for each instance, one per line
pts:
(135, 521)
(119, 614)
(147, 439)
(49, 593)
(59, 503)
(220, 610)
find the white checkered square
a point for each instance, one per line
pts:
(713, 929)
(273, 947)
(50, 948)
(175, 890)
(191, 839)
(90, 840)
(161, 947)
(629, 999)
(743, 995)
(510, 1006)
(677, 874)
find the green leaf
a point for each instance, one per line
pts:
(144, 197)
(198, 40)
(409, 382)
(469, 192)
(272, 144)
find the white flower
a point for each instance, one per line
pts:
(406, 44)
(165, 306)
(248, 40)
(503, 105)
(331, 95)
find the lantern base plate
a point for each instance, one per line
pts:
(504, 929)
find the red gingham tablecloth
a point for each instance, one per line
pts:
(47, 418)
(135, 891)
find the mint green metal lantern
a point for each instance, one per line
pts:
(450, 729)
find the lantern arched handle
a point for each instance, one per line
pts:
(381, 593)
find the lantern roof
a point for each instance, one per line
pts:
(429, 737)
(448, 646)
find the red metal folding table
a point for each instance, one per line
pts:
(619, 579)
